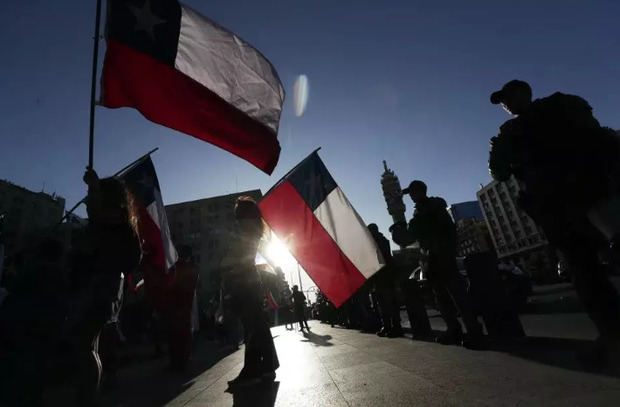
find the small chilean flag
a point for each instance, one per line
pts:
(308, 211)
(157, 246)
(184, 71)
(158, 251)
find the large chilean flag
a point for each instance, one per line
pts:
(308, 211)
(184, 71)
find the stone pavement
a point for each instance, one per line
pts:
(339, 367)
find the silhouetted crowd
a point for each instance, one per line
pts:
(65, 315)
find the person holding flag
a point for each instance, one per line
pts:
(244, 286)
(114, 249)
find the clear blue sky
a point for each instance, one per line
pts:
(405, 81)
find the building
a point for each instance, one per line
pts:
(26, 214)
(472, 237)
(466, 210)
(514, 234)
(206, 226)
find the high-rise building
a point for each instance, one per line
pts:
(206, 225)
(514, 234)
(466, 210)
(472, 237)
(471, 228)
(26, 214)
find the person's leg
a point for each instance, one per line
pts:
(299, 313)
(89, 376)
(416, 311)
(597, 293)
(448, 311)
(458, 292)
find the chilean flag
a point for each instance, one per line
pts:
(184, 71)
(308, 211)
(158, 252)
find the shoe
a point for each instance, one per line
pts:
(603, 353)
(475, 342)
(383, 332)
(244, 380)
(395, 333)
(450, 338)
(424, 336)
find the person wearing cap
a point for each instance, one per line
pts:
(563, 159)
(433, 228)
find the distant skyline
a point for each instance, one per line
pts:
(402, 81)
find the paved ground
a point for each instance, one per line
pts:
(340, 367)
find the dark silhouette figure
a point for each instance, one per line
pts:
(179, 316)
(384, 289)
(114, 249)
(565, 161)
(299, 304)
(433, 228)
(245, 289)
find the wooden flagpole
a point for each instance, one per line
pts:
(93, 85)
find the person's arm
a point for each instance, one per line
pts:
(93, 199)
(500, 154)
(403, 234)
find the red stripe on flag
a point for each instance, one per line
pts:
(168, 97)
(153, 263)
(292, 220)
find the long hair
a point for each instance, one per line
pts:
(247, 209)
(116, 197)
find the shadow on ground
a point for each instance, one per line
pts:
(560, 352)
(260, 395)
(317, 340)
(153, 386)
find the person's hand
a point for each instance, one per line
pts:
(90, 176)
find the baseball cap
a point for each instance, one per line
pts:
(498, 96)
(415, 184)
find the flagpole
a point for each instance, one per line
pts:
(70, 211)
(93, 86)
(299, 277)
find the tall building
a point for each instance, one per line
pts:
(471, 228)
(466, 210)
(206, 225)
(472, 237)
(26, 214)
(514, 234)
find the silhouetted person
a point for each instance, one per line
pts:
(114, 249)
(179, 316)
(564, 160)
(30, 325)
(433, 228)
(245, 288)
(299, 305)
(384, 289)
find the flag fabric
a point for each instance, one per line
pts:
(307, 210)
(158, 251)
(272, 302)
(186, 72)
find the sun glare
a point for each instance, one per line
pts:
(278, 252)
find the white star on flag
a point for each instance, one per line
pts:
(145, 19)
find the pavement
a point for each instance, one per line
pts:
(341, 367)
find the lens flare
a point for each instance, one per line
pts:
(300, 94)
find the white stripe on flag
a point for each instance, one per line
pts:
(157, 212)
(349, 232)
(229, 67)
